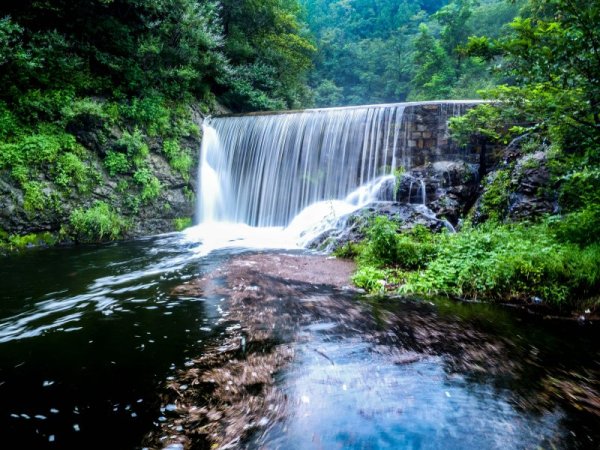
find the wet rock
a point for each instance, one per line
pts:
(533, 194)
(448, 188)
(520, 189)
(88, 129)
(352, 228)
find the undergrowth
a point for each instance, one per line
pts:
(98, 223)
(546, 262)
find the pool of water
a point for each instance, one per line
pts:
(90, 336)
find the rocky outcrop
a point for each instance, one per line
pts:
(435, 196)
(447, 188)
(533, 193)
(520, 189)
(175, 199)
(352, 228)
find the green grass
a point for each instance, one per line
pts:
(98, 223)
(491, 261)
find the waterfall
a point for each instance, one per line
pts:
(263, 170)
(281, 180)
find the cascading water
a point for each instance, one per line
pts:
(271, 167)
(280, 179)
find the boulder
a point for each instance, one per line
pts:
(352, 227)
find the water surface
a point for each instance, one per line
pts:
(90, 337)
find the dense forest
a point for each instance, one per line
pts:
(101, 96)
(388, 51)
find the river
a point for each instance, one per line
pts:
(93, 340)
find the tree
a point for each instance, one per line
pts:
(553, 58)
(271, 52)
(433, 73)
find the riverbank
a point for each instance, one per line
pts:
(521, 263)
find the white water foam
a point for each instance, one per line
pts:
(310, 223)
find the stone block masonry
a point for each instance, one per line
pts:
(425, 135)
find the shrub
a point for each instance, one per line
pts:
(71, 170)
(149, 111)
(412, 254)
(179, 159)
(370, 278)
(349, 250)
(496, 196)
(509, 262)
(149, 184)
(386, 247)
(100, 222)
(34, 197)
(580, 227)
(181, 223)
(116, 163)
(135, 146)
(8, 123)
(382, 238)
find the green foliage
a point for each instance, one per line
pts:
(34, 198)
(580, 227)
(386, 247)
(189, 194)
(382, 242)
(551, 57)
(370, 278)
(484, 121)
(507, 262)
(71, 170)
(580, 186)
(179, 159)
(551, 260)
(15, 242)
(433, 73)
(116, 163)
(135, 146)
(389, 51)
(98, 223)
(495, 200)
(349, 250)
(149, 184)
(181, 223)
(49, 151)
(271, 53)
(150, 112)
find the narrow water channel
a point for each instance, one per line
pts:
(91, 338)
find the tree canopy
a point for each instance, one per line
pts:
(389, 51)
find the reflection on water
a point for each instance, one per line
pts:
(90, 337)
(398, 390)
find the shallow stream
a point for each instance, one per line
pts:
(91, 336)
